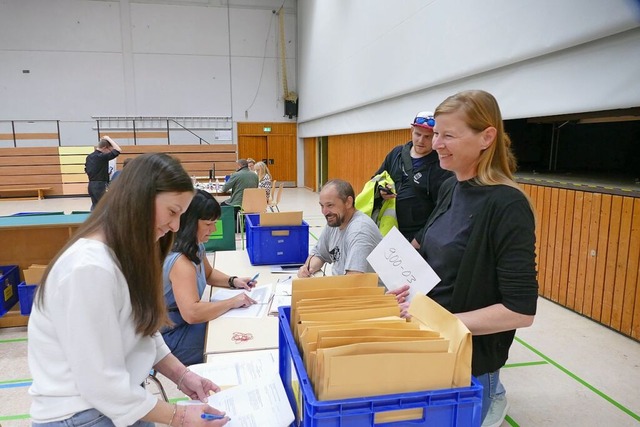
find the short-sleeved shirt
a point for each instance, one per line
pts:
(348, 249)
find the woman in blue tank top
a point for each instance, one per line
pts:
(187, 272)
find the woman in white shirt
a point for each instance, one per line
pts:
(93, 330)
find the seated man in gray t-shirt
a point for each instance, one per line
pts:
(349, 237)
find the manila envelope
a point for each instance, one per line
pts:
(363, 280)
(310, 333)
(343, 293)
(431, 314)
(345, 372)
(351, 314)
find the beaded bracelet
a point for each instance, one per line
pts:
(175, 409)
(182, 378)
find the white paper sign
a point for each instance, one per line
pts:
(398, 263)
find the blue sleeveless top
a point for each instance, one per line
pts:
(169, 297)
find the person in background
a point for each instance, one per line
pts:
(96, 167)
(480, 239)
(186, 274)
(349, 237)
(93, 331)
(416, 174)
(239, 180)
(251, 164)
(117, 173)
(264, 177)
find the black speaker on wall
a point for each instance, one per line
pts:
(291, 109)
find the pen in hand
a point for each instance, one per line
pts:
(211, 417)
(252, 282)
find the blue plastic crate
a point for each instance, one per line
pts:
(460, 407)
(25, 295)
(9, 279)
(282, 244)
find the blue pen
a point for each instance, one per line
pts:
(211, 417)
(254, 278)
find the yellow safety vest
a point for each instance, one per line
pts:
(385, 218)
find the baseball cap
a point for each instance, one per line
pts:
(424, 119)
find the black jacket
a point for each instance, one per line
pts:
(498, 266)
(413, 212)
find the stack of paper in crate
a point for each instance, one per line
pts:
(355, 344)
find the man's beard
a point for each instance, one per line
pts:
(337, 220)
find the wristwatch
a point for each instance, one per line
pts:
(231, 279)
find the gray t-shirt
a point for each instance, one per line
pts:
(348, 249)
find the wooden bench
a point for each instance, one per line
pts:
(39, 193)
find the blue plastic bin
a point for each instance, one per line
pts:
(276, 245)
(25, 295)
(9, 279)
(460, 407)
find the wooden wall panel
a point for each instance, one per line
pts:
(62, 168)
(310, 164)
(356, 157)
(588, 254)
(612, 259)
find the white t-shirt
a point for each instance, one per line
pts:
(348, 249)
(83, 349)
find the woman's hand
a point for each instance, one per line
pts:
(197, 387)
(190, 415)
(242, 300)
(402, 293)
(244, 283)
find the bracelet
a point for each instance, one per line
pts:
(182, 378)
(175, 409)
(231, 279)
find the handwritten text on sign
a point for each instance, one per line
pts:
(398, 263)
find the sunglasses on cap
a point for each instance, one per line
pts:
(425, 121)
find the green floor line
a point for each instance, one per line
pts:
(313, 235)
(581, 381)
(13, 340)
(178, 399)
(511, 422)
(14, 417)
(26, 380)
(517, 365)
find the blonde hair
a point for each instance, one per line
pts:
(480, 109)
(262, 170)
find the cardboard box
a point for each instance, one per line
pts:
(272, 219)
(33, 274)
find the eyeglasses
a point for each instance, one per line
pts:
(428, 121)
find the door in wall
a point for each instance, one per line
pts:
(275, 146)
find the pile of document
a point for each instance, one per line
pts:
(355, 344)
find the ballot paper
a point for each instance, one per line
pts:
(398, 263)
(286, 269)
(261, 403)
(281, 295)
(261, 294)
(231, 369)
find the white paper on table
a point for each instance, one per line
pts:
(262, 294)
(261, 403)
(398, 263)
(231, 369)
(282, 295)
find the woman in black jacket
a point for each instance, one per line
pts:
(480, 238)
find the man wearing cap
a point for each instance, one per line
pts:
(416, 173)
